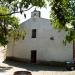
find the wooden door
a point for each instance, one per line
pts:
(33, 56)
(73, 49)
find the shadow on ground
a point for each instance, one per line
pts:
(34, 67)
(3, 68)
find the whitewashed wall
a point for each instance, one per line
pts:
(47, 50)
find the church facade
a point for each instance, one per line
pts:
(42, 42)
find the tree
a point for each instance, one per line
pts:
(62, 13)
(9, 25)
(19, 6)
(63, 17)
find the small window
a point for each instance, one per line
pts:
(33, 33)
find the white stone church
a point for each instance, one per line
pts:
(42, 42)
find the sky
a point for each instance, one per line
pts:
(45, 13)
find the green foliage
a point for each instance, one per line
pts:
(63, 17)
(9, 26)
(15, 5)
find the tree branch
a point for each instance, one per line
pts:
(15, 12)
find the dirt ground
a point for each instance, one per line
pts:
(9, 67)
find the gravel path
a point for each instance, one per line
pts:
(10, 67)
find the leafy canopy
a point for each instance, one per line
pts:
(9, 26)
(63, 17)
(16, 6)
(62, 13)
